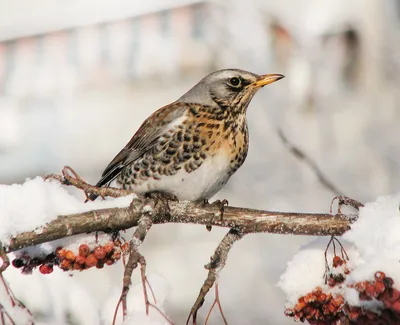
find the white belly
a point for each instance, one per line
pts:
(200, 184)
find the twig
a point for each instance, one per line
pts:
(79, 183)
(345, 200)
(216, 302)
(13, 300)
(4, 257)
(215, 266)
(135, 258)
(299, 154)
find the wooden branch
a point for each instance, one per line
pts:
(215, 266)
(248, 220)
(135, 258)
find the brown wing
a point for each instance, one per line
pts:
(144, 140)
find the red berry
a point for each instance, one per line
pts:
(91, 261)
(396, 306)
(124, 247)
(337, 261)
(394, 295)
(337, 301)
(379, 287)
(360, 286)
(370, 290)
(70, 256)
(108, 247)
(379, 275)
(60, 252)
(80, 259)
(65, 264)
(353, 315)
(46, 268)
(309, 298)
(99, 252)
(388, 282)
(77, 266)
(84, 250)
(109, 262)
(300, 305)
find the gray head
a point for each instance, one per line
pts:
(229, 88)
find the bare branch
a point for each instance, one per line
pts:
(135, 258)
(78, 182)
(299, 154)
(215, 266)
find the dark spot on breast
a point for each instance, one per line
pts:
(171, 151)
(179, 136)
(173, 144)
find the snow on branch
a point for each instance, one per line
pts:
(52, 227)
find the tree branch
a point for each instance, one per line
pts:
(248, 220)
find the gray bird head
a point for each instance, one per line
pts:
(229, 88)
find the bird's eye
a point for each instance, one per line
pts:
(235, 82)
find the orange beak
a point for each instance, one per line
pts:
(267, 79)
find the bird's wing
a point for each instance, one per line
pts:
(144, 140)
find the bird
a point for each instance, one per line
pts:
(190, 148)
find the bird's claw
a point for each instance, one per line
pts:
(221, 204)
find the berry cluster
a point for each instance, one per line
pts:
(68, 260)
(380, 289)
(317, 307)
(322, 308)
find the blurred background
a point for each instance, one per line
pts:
(78, 78)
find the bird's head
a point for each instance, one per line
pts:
(229, 89)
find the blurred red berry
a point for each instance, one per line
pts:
(379, 275)
(80, 259)
(65, 264)
(91, 261)
(99, 252)
(69, 255)
(60, 252)
(46, 268)
(84, 250)
(108, 247)
(337, 261)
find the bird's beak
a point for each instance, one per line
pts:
(267, 79)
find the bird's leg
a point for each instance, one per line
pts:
(220, 204)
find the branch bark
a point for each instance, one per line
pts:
(248, 220)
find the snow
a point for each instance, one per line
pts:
(373, 244)
(29, 206)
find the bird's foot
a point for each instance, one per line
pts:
(221, 204)
(161, 200)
